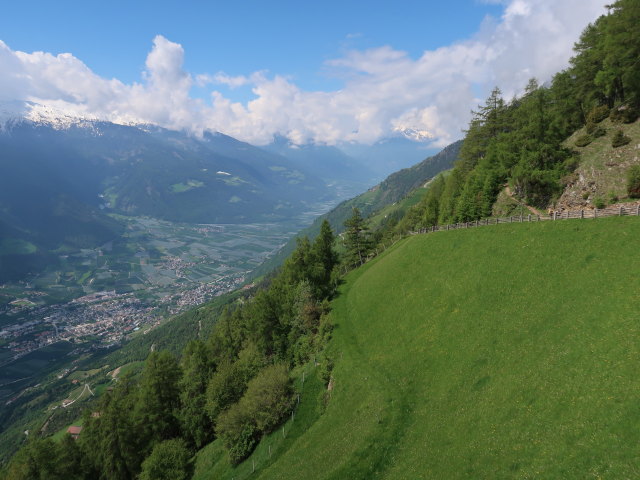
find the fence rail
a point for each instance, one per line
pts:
(613, 211)
(616, 211)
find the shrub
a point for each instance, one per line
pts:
(238, 432)
(619, 139)
(598, 114)
(572, 163)
(225, 388)
(326, 367)
(268, 399)
(633, 181)
(599, 132)
(586, 195)
(169, 460)
(613, 198)
(325, 330)
(599, 202)
(584, 140)
(624, 114)
(590, 127)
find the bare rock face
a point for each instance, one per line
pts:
(601, 175)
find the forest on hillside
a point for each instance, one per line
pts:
(520, 141)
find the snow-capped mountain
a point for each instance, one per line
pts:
(415, 134)
(58, 117)
(61, 174)
(15, 112)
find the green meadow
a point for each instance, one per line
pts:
(186, 186)
(509, 351)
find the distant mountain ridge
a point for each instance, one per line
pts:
(393, 189)
(153, 171)
(62, 175)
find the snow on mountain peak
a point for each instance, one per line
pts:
(54, 116)
(415, 134)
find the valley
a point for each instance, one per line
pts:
(97, 298)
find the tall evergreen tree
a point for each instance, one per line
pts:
(159, 399)
(197, 368)
(356, 240)
(112, 441)
(326, 258)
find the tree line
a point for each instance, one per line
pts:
(519, 142)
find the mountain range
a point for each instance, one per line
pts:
(64, 176)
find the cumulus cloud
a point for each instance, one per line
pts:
(384, 89)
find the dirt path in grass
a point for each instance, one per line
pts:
(533, 210)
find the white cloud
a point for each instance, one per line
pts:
(222, 78)
(384, 89)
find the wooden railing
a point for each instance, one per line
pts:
(614, 211)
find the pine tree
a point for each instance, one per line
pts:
(326, 259)
(197, 369)
(356, 240)
(159, 401)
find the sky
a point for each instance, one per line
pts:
(324, 72)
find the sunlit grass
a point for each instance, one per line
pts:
(499, 352)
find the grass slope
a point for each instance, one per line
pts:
(498, 352)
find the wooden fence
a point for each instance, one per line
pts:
(617, 211)
(614, 211)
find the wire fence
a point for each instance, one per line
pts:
(274, 444)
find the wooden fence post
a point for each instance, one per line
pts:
(638, 210)
(595, 212)
(529, 218)
(620, 212)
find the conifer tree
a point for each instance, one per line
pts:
(197, 369)
(356, 240)
(159, 400)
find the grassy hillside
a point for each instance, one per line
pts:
(460, 365)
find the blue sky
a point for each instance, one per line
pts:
(325, 72)
(287, 37)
